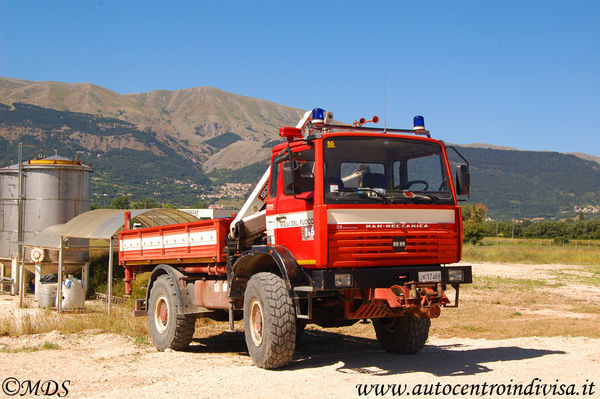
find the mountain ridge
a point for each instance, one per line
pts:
(186, 117)
(172, 146)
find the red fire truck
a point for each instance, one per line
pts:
(348, 223)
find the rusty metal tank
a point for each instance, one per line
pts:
(55, 189)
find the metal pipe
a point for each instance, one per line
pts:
(231, 319)
(21, 277)
(20, 193)
(60, 273)
(20, 207)
(129, 278)
(213, 270)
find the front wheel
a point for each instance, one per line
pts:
(269, 321)
(402, 335)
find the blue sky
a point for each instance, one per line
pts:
(524, 74)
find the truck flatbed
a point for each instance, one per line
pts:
(201, 242)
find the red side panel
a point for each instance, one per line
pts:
(203, 241)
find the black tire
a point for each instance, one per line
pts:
(402, 335)
(167, 328)
(269, 321)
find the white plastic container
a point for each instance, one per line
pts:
(73, 294)
(47, 295)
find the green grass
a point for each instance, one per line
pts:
(514, 284)
(586, 275)
(20, 350)
(50, 346)
(46, 346)
(141, 340)
(533, 251)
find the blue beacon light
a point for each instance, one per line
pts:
(318, 116)
(418, 123)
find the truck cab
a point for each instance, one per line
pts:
(362, 199)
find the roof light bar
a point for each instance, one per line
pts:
(418, 123)
(318, 117)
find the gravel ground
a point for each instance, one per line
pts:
(111, 366)
(328, 364)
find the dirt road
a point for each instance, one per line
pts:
(340, 363)
(110, 366)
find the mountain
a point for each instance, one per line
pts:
(529, 184)
(586, 156)
(190, 119)
(170, 146)
(493, 147)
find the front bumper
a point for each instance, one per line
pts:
(378, 277)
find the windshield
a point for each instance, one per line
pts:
(375, 169)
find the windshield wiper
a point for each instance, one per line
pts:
(432, 197)
(371, 190)
(409, 195)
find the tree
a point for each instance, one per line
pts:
(146, 203)
(199, 205)
(478, 213)
(120, 203)
(474, 228)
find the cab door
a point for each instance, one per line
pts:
(291, 216)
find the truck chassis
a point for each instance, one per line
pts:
(280, 271)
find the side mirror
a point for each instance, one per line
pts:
(292, 179)
(463, 180)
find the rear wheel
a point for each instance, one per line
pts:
(167, 328)
(269, 321)
(403, 335)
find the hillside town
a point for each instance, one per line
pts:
(587, 209)
(228, 190)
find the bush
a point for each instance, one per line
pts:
(473, 232)
(561, 240)
(99, 274)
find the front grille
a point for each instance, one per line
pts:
(374, 248)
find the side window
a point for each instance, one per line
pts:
(305, 162)
(274, 177)
(425, 173)
(307, 171)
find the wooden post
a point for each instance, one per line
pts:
(110, 273)
(14, 275)
(85, 275)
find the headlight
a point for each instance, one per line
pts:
(343, 280)
(455, 275)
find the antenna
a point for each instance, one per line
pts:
(384, 101)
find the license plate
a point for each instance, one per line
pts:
(430, 277)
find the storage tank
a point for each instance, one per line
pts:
(55, 189)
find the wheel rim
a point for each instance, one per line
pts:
(256, 322)
(161, 314)
(391, 325)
